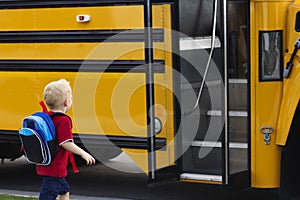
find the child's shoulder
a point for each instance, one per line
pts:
(59, 115)
(52, 114)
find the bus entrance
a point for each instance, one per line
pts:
(214, 94)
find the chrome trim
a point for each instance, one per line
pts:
(149, 75)
(226, 120)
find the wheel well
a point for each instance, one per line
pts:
(290, 160)
(293, 137)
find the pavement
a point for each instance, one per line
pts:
(107, 182)
(21, 162)
(36, 194)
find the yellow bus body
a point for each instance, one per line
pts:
(265, 96)
(22, 90)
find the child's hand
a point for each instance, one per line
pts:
(71, 146)
(90, 160)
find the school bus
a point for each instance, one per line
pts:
(201, 90)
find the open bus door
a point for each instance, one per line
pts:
(172, 169)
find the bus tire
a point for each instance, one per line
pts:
(290, 162)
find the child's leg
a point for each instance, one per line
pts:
(64, 196)
(64, 192)
(48, 189)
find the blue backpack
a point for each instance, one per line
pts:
(38, 138)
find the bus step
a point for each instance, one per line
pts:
(231, 113)
(237, 124)
(238, 94)
(201, 178)
(198, 43)
(233, 145)
(207, 157)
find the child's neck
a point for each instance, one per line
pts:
(58, 110)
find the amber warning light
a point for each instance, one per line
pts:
(83, 18)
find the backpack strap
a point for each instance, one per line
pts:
(61, 114)
(48, 121)
(73, 163)
(71, 156)
(43, 105)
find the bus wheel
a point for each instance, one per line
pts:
(10, 151)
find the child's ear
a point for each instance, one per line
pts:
(66, 102)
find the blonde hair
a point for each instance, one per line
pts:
(56, 93)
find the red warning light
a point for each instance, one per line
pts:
(83, 18)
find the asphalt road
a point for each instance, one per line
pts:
(103, 181)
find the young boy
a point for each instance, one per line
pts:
(58, 97)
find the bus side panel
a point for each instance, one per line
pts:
(109, 96)
(17, 102)
(266, 89)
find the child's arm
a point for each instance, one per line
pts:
(72, 147)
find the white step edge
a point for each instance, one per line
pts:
(198, 43)
(237, 81)
(211, 83)
(232, 145)
(194, 85)
(200, 177)
(231, 113)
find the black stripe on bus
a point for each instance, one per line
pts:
(120, 141)
(135, 35)
(12, 137)
(134, 66)
(71, 3)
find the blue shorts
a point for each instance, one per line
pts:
(52, 187)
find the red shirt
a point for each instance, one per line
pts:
(58, 167)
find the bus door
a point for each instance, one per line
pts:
(158, 173)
